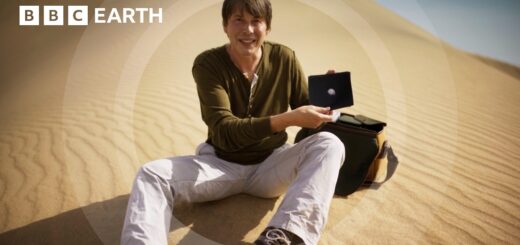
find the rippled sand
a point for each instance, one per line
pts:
(82, 109)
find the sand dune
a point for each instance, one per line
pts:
(82, 109)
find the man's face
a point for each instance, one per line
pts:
(246, 33)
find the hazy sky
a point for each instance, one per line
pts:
(487, 27)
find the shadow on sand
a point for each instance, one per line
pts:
(225, 221)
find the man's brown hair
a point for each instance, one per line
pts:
(257, 8)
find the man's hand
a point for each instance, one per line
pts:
(308, 116)
(305, 116)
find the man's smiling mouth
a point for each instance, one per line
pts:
(247, 41)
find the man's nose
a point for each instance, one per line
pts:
(249, 28)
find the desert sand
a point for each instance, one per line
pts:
(81, 108)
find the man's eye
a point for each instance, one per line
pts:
(258, 21)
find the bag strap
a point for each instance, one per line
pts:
(393, 161)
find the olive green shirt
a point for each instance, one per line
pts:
(239, 128)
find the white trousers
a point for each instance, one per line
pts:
(306, 172)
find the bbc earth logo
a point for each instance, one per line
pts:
(78, 15)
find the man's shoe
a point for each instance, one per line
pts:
(278, 236)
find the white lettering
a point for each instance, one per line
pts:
(128, 14)
(77, 15)
(114, 15)
(141, 14)
(52, 15)
(157, 15)
(29, 15)
(99, 14)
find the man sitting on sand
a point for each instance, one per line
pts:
(245, 88)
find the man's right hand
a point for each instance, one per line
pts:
(308, 116)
